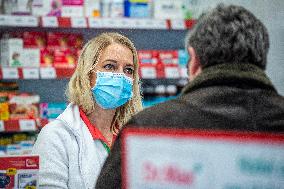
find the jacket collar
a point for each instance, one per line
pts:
(226, 74)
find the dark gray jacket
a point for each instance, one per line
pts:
(228, 97)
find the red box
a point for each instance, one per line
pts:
(55, 40)
(19, 171)
(46, 58)
(34, 39)
(75, 41)
(24, 106)
(168, 56)
(65, 58)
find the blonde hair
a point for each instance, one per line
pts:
(79, 87)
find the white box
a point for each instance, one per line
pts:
(31, 57)
(46, 7)
(11, 52)
(168, 9)
(72, 11)
(92, 8)
(22, 7)
(117, 9)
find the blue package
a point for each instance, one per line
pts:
(137, 9)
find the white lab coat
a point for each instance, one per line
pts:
(69, 156)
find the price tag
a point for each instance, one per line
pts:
(148, 73)
(32, 21)
(159, 24)
(48, 73)
(172, 72)
(78, 22)
(49, 21)
(15, 21)
(137, 23)
(27, 125)
(122, 23)
(3, 20)
(125, 23)
(2, 128)
(95, 23)
(10, 73)
(178, 25)
(148, 24)
(111, 23)
(31, 73)
(23, 21)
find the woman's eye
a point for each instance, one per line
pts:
(109, 67)
(129, 71)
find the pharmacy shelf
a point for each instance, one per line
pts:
(94, 23)
(146, 72)
(35, 73)
(22, 125)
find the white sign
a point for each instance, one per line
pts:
(159, 24)
(31, 73)
(48, 73)
(148, 73)
(29, 21)
(181, 161)
(172, 72)
(49, 21)
(27, 125)
(10, 73)
(2, 128)
(95, 23)
(178, 24)
(78, 22)
(3, 20)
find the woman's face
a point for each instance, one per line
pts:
(115, 58)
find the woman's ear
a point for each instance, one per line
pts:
(194, 66)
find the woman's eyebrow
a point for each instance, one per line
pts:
(130, 65)
(110, 60)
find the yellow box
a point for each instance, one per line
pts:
(4, 111)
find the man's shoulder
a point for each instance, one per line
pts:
(167, 113)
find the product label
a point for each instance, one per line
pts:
(27, 125)
(172, 72)
(202, 159)
(49, 21)
(31, 73)
(30, 21)
(10, 73)
(3, 20)
(78, 22)
(178, 24)
(47, 73)
(148, 72)
(95, 23)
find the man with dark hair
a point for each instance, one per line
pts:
(228, 88)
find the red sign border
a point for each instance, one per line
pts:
(232, 136)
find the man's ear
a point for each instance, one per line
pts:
(194, 66)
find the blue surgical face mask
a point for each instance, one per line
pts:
(112, 89)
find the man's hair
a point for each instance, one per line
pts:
(229, 34)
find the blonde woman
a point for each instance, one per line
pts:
(103, 94)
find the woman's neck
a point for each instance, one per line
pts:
(103, 119)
